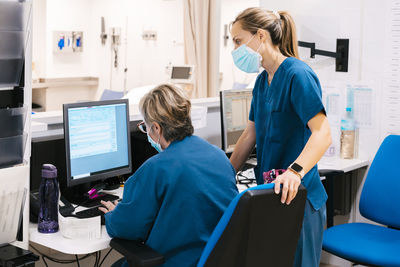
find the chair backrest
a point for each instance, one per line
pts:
(380, 196)
(111, 95)
(256, 230)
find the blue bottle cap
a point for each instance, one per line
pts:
(348, 109)
(49, 171)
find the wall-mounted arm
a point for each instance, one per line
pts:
(341, 55)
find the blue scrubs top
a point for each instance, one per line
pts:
(175, 199)
(281, 112)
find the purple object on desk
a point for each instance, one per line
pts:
(271, 175)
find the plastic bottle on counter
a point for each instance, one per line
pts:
(49, 193)
(347, 135)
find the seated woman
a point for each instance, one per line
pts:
(175, 199)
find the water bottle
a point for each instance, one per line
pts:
(347, 136)
(48, 196)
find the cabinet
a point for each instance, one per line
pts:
(15, 100)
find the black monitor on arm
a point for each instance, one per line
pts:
(97, 146)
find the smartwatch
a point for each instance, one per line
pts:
(296, 168)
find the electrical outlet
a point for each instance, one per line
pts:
(149, 35)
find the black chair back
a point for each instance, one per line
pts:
(261, 231)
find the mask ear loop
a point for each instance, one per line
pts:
(250, 39)
(159, 138)
(259, 49)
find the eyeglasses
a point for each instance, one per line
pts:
(142, 127)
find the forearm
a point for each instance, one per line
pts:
(243, 147)
(314, 149)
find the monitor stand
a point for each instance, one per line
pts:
(79, 195)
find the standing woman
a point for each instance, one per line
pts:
(287, 119)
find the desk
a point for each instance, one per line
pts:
(345, 165)
(330, 167)
(71, 246)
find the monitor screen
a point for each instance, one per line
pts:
(181, 73)
(235, 108)
(97, 140)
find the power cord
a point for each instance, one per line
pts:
(105, 257)
(97, 255)
(241, 178)
(44, 257)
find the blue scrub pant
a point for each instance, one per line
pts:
(309, 247)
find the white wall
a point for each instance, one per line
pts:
(71, 15)
(39, 40)
(230, 74)
(360, 21)
(146, 60)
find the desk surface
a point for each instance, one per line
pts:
(345, 165)
(329, 163)
(71, 246)
(81, 246)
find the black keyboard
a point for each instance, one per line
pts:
(89, 213)
(96, 202)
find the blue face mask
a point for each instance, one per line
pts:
(246, 59)
(157, 146)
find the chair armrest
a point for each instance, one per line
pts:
(136, 253)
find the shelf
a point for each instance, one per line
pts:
(64, 82)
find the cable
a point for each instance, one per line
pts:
(98, 257)
(77, 260)
(105, 257)
(97, 260)
(44, 261)
(60, 260)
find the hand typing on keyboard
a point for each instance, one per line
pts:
(108, 206)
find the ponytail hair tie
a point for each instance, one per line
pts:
(276, 13)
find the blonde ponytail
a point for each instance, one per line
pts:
(288, 44)
(281, 28)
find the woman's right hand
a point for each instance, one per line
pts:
(108, 206)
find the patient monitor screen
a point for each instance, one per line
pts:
(97, 139)
(181, 73)
(236, 108)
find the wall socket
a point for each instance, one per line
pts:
(149, 35)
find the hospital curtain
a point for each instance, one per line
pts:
(201, 34)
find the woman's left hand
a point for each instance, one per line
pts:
(290, 185)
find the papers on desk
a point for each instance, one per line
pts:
(74, 228)
(12, 200)
(199, 117)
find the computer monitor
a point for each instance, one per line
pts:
(181, 74)
(235, 108)
(97, 140)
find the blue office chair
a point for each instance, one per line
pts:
(255, 230)
(111, 95)
(370, 244)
